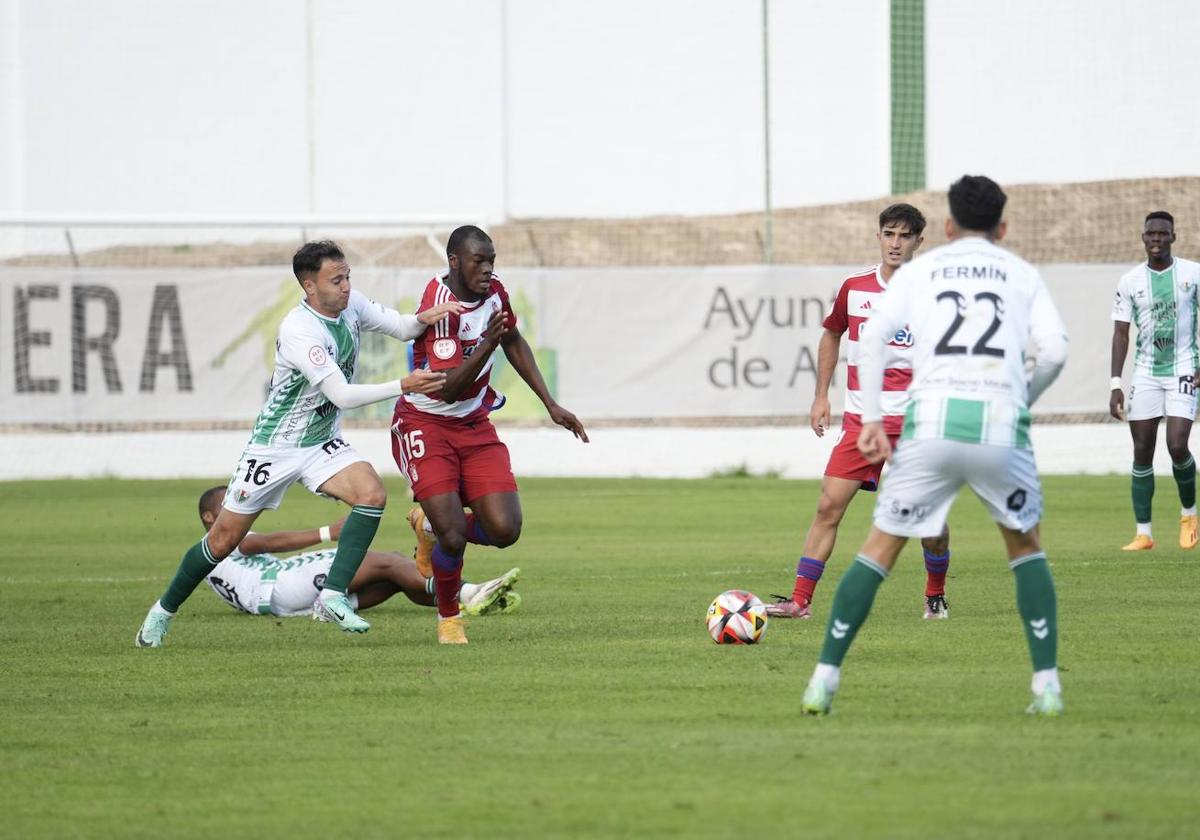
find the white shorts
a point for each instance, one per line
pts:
(1160, 396)
(264, 474)
(926, 475)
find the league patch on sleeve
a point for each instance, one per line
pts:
(443, 348)
(316, 355)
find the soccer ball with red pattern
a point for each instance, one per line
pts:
(736, 617)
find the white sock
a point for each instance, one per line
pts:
(159, 608)
(830, 675)
(328, 595)
(1188, 511)
(1144, 528)
(444, 617)
(1045, 679)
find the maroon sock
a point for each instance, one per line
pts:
(475, 532)
(447, 580)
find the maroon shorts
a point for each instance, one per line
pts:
(461, 455)
(847, 462)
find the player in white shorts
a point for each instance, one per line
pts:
(297, 434)
(1160, 296)
(973, 308)
(255, 580)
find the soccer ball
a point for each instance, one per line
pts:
(736, 617)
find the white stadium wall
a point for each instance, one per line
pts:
(571, 109)
(137, 351)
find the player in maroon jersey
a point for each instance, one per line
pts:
(444, 442)
(900, 229)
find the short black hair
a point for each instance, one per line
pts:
(1161, 214)
(311, 255)
(905, 213)
(461, 235)
(977, 203)
(208, 500)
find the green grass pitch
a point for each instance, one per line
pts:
(602, 709)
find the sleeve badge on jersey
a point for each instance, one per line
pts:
(316, 355)
(443, 348)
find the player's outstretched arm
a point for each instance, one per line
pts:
(520, 356)
(344, 395)
(375, 317)
(289, 540)
(433, 314)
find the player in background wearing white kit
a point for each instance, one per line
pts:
(256, 581)
(297, 434)
(1160, 295)
(974, 308)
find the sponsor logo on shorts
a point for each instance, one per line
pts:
(903, 511)
(317, 356)
(443, 348)
(1016, 500)
(241, 495)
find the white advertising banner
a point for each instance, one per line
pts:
(195, 346)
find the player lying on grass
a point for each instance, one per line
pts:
(254, 580)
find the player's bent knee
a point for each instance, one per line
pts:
(373, 497)
(505, 535)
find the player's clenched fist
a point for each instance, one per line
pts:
(873, 443)
(497, 326)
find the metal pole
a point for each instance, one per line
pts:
(504, 107)
(311, 106)
(768, 221)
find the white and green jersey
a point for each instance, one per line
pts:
(1163, 305)
(973, 309)
(246, 582)
(308, 349)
